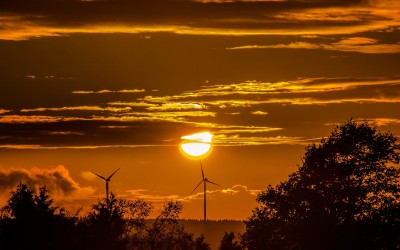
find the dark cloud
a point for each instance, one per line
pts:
(238, 15)
(57, 180)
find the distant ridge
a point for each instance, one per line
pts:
(213, 230)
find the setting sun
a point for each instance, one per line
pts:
(196, 145)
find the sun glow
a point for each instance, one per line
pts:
(196, 145)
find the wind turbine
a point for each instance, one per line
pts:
(107, 180)
(204, 181)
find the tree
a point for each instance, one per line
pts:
(123, 224)
(113, 223)
(168, 233)
(30, 221)
(229, 242)
(346, 195)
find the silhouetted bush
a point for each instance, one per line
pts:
(346, 195)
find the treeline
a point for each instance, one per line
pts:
(345, 195)
(31, 221)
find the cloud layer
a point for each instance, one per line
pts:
(25, 19)
(212, 107)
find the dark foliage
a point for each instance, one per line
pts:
(30, 221)
(346, 195)
(166, 232)
(229, 242)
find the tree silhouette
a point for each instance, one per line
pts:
(167, 232)
(105, 226)
(346, 195)
(30, 221)
(229, 242)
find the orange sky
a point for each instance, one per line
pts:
(98, 85)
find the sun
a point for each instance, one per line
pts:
(196, 145)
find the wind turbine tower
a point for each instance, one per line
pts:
(204, 181)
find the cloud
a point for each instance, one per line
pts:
(105, 91)
(380, 121)
(151, 196)
(126, 117)
(67, 133)
(133, 104)
(243, 140)
(231, 1)
(35, 119)
(303, 91)
(207, 108)
(357, 41)
(3, 111)
(36, 146)
(56, 179)
(80, 108)
(245, 94)
(157, 198)
(352, 44)
(292, 45)
(27, 19)
(176, 106)
(234, 190)
(229, 129)
(259, 112)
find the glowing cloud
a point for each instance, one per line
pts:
(353, 44)
(205, 137)
(57, 180)
(259, 112)
(3, 111)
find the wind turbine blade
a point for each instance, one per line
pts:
(109, 177)
(212, 182)
(202, 172)
(98, 175)
(197, 186)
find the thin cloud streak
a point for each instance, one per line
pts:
(157, 198)
(106, 91)
(176, 106)
(36, 119)
(79, 108)
(36, 146)
(354, 44)
(259, 112)
(237, 140)
(380, 121)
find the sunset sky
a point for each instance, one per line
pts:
(96, 85)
